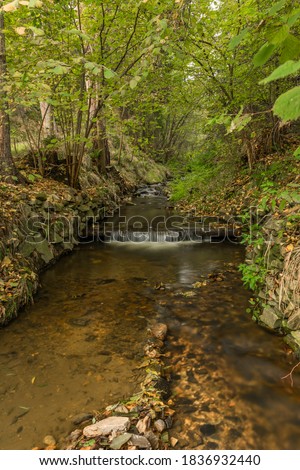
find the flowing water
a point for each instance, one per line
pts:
(78, 347)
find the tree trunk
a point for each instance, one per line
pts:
(47, 120)
(102, 147)
(8, 171)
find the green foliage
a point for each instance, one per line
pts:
(288, 68)
(196, 174)
(287, 106)
(254, 274)
(263, 55)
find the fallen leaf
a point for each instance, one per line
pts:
(21, 30)
(6, 261)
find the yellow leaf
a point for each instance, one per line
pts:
(12, 6)
(21, 30)
(6, 261)
(33, 380)
(289, 248)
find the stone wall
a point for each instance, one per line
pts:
(38, 225)
(279, 257)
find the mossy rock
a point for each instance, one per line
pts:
(270, 319)
(45, 250)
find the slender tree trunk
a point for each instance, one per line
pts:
(102, 146)
(47, 119)
(8, 171)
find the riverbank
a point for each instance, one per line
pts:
(266, 207)
(45, 219)
(139, 422)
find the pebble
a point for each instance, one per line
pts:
(160, 425)
(140, 441)
(143, 425)
(173, 441)
(153, 439)
(78, 419)
(49, 441)
(122, 409)
(159, 331)
(208, 429)
(107, 426)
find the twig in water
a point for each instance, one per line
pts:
(290, 374)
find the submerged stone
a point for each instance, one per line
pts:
(208, 429)
(49, 441)
(159, 331)
(81, 418)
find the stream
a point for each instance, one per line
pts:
(78, 348)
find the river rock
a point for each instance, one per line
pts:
(121, 409)
(159, 331)
(80, 418)
(143, 425)
(269, 318)
(208, 429)
(74, 436)
(140, 441)
(153, 439)
(161, 385)
(49, 441)
(119, 441)
(293, 322)
(173, 441)
(160, 425)
(107, 426)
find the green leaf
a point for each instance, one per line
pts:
(36, 31)
(287, 106)
(239, 122)
(109, 73)
(264, 54)
(293, 17)
(133, 83)
(282, 71)
(290, 48)
(275, 8)
(281, 35)
(78, 33)
(35, 3)
(59, 70)
(238, 39)
(297, 153)
(89, 443)
(163, 23)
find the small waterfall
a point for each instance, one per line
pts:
(151, 236)
(167, 236)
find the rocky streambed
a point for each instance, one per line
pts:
(142, 421)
